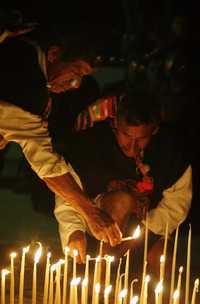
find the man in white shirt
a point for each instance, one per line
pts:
(124, 164)
(27, 75)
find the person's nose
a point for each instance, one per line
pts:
(132, 148)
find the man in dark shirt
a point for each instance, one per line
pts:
(125, 164)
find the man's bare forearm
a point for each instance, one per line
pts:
(66, 187)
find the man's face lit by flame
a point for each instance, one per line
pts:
(133, 139)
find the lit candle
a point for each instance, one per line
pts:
(58, 290)
(84, 290)
(158, 292)
(78, 280)
(4, 272)
(174, 265)
(146, 283)
(98, 279)
(84, 294)
(122, 295)
(117, 280)
(65, 278)
(107, 293)
(195, 290)
(73, 290)
(135, 235)
(12, 277)
(126, 277)
(187, 283)
(145, 244)
(46, 279)
(51, 283)
(109, 260)
(178, 288)
(75, 254)
(22, 270)
(34, 283)
(164, 256)
(97, 275)
(162, 267)
(131, 288)
(176, 297)
(134, 300)
(143, 282)
(96, 294)
(119, 300)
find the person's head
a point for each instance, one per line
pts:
(138, 117)
(71, 53)
(65, 74)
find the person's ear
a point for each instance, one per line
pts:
(53, 54)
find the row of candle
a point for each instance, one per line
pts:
(122, 290)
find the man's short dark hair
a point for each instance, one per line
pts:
(136, 108)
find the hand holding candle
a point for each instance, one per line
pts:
(135, 234)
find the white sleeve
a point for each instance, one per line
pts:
(69, 220)
(173, 207)
(27, 130)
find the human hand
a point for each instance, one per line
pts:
(103, 227)
(77, 240)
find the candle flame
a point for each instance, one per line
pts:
(67, 250)
(38, 253)
(196, 284)
(53, 267)
(181, 269)
(147, 278)
(48, 255)
(107, 290)
(13, 255)
(176, 294)
(123, 293)
(75, 252)
(137, 232)
(4, 272)
(109, 258)
(85, 282)
(98, 258)
(134, 300)
(61, 262)
(75, 281)
(159, 287)
(26, 249)
(97, 288)
(162, 258)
